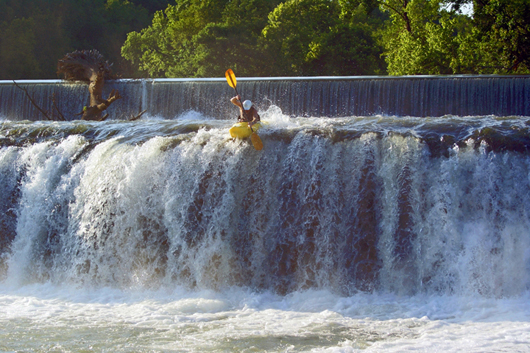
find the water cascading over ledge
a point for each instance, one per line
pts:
(437, 206)
(418, 96)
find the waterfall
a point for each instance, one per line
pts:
(404, 205)
(420, 96)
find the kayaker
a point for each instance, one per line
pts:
(247, 112)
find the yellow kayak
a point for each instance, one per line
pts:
(241, 130)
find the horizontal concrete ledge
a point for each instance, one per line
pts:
(290, 78)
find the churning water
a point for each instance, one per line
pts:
(344, 234)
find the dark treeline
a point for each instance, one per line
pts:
(202, 38)
(35, 34)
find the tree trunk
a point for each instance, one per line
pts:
(89, 66)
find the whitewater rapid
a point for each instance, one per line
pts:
(344, 234)
(44, 318)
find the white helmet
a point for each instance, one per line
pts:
(247, 104)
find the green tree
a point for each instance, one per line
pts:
(200, 38)
(420, 39)
(151, 6)
(61, 26)
(121, 16)
(150, 49)
(299, 40)
(164, 45)
(504, 28)
(435, 38)
(234, 42)
(52, 42)
(295, 32)
(40, 35)
(17, 49)
(352, 47)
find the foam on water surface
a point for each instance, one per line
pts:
(239, 320)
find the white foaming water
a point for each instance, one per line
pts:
(47, 318)
(168, 236)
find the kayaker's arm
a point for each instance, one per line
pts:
(236, 101)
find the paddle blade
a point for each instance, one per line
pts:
(256, 141)
(231, 78)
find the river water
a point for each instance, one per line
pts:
(344, 234)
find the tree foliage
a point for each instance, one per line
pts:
(438, 39)
(35, 34)
(199, 38)
(303, 42)
(16, 48)
(423, 41)
(504, 28)
(334, 37)
(257, 38)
